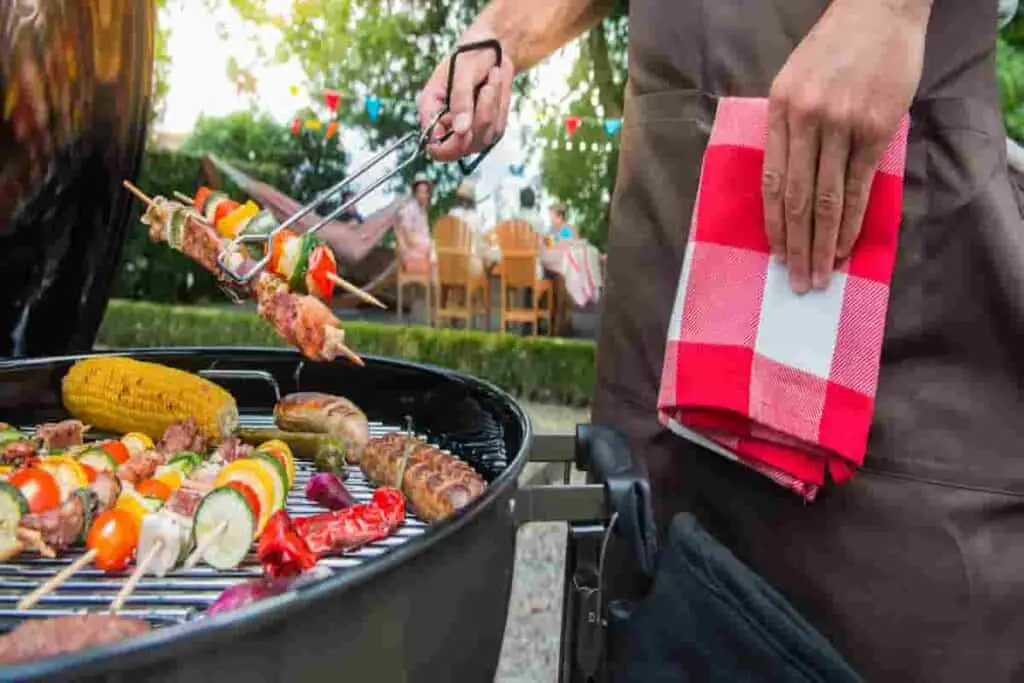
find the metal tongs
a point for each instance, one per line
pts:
(423, 139)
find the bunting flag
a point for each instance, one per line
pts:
(332, 128)
(294, 90)
(612, 126)
(572, 124)
(373, 107)
(314, 124)
(296, 125)
(332, 98)
(517, 170)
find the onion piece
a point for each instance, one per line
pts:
(327, 489)
(254, 590)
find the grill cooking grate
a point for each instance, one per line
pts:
(181, 595)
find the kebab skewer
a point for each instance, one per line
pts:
(305, 261)
(304, 321)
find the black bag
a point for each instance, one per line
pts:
(708, 618)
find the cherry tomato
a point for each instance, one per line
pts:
(117, 450)
(154, 489)
(249, 495)
(321, 266)
(38, 486)
(223, 209)
(113, 536)
(90, 473)
(202, 194)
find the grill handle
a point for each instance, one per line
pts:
(258, 375)
(603, 452)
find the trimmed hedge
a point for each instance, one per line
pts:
(533, 368)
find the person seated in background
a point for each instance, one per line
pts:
(412, 228)
(351, 215)
(466, 211)
(561, 229)
(528, 211)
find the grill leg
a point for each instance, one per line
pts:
(581, 656)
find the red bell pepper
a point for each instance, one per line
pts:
(321, 266)
(281, 550)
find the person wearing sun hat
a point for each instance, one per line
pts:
(412, 229)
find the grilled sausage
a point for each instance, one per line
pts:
(325, 414)
(435, 483)
(40, 638)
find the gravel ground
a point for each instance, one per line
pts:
(530, 651)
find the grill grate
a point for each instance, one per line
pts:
(182, 594)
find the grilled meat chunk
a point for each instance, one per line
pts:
(56, 436)
(61, 526)
(182, 436)
(18, 454)
(60, 635)
(435, 483)
(232, 449)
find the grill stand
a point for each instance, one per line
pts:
(614, 504)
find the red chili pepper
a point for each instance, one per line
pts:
(392, 502)
(282, 551)
(321, 266)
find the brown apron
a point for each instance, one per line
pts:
(915, 570)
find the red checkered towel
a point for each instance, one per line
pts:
(782, 383)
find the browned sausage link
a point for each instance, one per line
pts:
(325, 414)
(435, 483)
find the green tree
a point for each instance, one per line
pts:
(300, 165)
(1010, 70)
(580, 170)
(382, 48)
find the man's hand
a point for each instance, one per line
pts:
(833, 109)
(476, 122)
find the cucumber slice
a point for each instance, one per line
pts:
(297, 279)
(12, 504)
(185, 462)
(98, 459)
(230, 546)
(277, 474)
(177, 231)
(210, 210)
(10, 435)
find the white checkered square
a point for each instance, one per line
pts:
(675, 323)
(800, 330)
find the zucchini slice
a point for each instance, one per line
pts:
(10, 435)
(230, 546)
(90, 504)
(185, 462)
(277, 475)
(12, 505)
(98, 459)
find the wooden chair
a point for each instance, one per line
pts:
(409, 279)
(520, 256)
(457, 284)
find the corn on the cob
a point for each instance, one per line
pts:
(125, 395)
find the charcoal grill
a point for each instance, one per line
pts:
(428, 604)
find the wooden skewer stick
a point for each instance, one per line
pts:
(11, 551)
(349, 287)
(184, 199)
(201, 547)
(56, 580)
(133, 580)
(34, 540)
(138, 193)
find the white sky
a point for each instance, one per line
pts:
(199, 84)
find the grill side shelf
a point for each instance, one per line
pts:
(182, 594)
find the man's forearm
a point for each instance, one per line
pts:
(530, 30)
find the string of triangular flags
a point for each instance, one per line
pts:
(373, 105)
